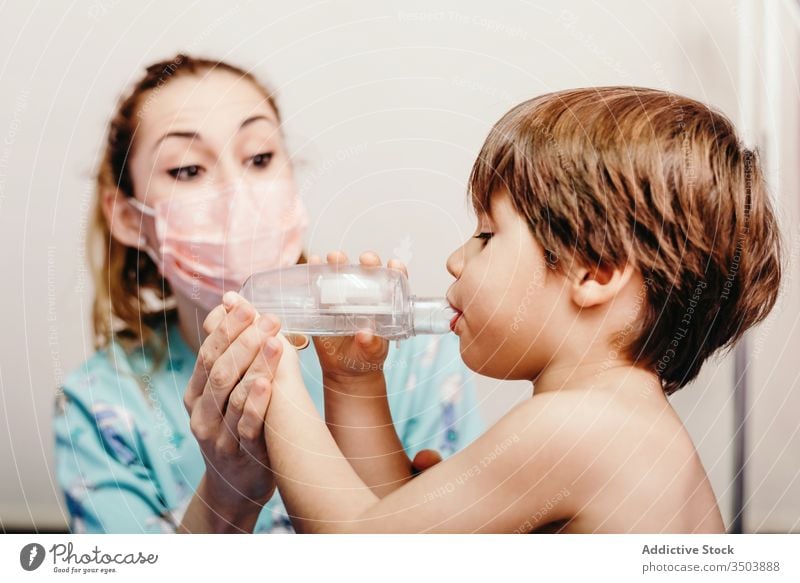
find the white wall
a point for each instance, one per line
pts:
(387, 103)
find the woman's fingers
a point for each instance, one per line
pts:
(247, 404)
(251, 425)
(369, 259)
(337, 258)
(228, 438)
(372, 259)
(231, 365)
(397, 264)
(371, 344)
(236, 319)
(214, 318)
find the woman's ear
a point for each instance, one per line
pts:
(599, 285)
(124, 221)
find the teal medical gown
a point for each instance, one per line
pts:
(127, 462)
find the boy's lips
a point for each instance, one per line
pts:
(455, 318)
(453, 322)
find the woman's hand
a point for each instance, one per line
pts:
(227, 399)
(349, 358)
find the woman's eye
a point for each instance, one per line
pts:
(484, 237)
(185, 172)
(260, 160)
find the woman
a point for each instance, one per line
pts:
(196, 191)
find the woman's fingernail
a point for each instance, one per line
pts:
(266, 323)
(229, 299)
(270, 347)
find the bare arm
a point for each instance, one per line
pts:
(358, 417)
(356, 406)
(495, 485)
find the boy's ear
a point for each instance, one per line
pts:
(124, 221)
(599, 285)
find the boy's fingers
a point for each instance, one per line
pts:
(425, 459)
(314, 260)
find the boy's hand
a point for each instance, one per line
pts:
(347, 360)
(289, 363)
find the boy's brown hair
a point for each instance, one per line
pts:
(611, 175)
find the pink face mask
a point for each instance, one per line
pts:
(213, 242)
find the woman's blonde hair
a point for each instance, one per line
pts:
(124, 276)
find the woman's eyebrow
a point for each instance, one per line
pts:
(250, 120)
(189, 135)
(197, 136)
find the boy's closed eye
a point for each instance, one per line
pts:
(485, 230)
(484, 236)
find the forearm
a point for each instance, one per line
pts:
(323, 493)
(359, 419)
(320, 489)
(210, 512)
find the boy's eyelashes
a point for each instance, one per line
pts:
(183, 173)
(484, 236)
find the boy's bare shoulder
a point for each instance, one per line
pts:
(600, 434)
(627, 451)
(616, 455)
(609, 412)
(594, 432)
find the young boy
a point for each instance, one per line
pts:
(624, 235)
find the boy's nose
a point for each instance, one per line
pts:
(455, 263)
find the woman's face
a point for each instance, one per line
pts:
(204, 133)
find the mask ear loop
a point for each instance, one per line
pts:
(141, 207)
(149, 211)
